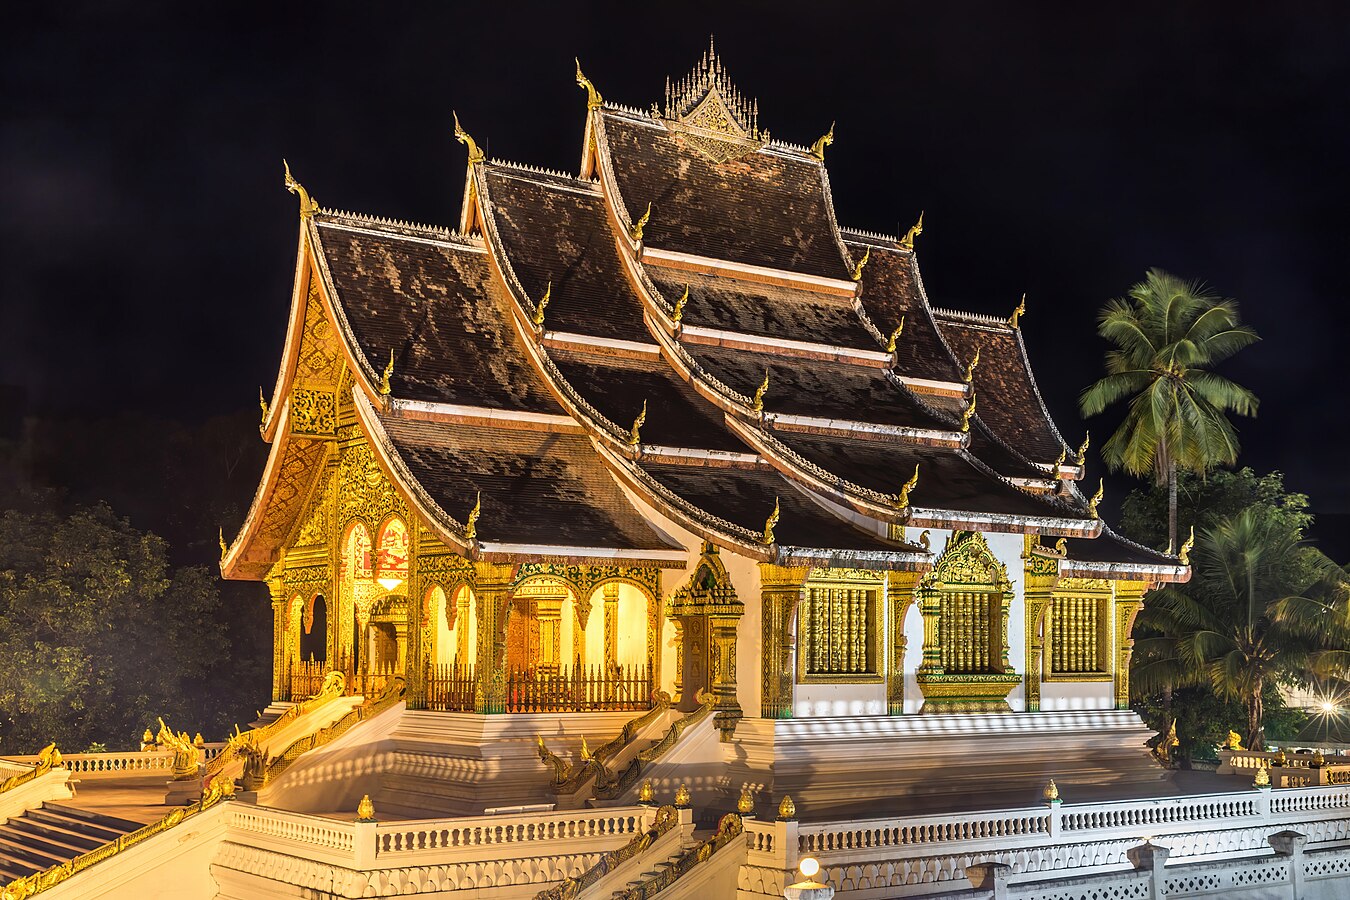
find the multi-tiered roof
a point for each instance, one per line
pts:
(682, 328)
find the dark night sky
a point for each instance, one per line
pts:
(148, 244)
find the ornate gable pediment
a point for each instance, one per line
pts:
(967, 560)
(711, 115)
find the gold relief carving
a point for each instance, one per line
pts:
(319, 360)
(583, 580)
(363, 491)
(315, 527)
(303, 458)
(899, 598)
(780, 591)
(313, 412)
(840, 631)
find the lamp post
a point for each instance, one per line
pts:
(808, 888)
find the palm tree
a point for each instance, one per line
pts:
(1263, 607)
(1167, 334)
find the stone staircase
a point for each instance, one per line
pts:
(656, 867)
(51, 834)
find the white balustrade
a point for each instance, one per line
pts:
(509, 836)
(108, 764)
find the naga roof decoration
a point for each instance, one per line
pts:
(640, 395)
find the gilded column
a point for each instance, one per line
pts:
(780, 592)
(492, 595)
(722, 670)
(1129, 600)
(899, 597)
(276, 587)
(930, 607)
(611, 625)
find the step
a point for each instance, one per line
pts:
(32, 855)
(44, 831)
(13, 870)
(109, 830)
(85, 815)
(44, 843)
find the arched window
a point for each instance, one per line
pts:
(314, 630)
(391, 568)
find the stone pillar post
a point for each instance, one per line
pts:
(1129, 600)
(417, 643)
(611, 596)
(1039, 574)
(1290, 844)
(780, 592)
(492, 586)
(990, 876)
(1152, 859)
(276, 587)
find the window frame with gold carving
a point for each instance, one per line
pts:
(1076, 596)
(868, 639)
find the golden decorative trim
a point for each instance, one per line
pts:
(47, 759)
(902, 499)
(856, 274)
(634, 433)
(1097, 498)
(767, 538)
(476, 155)
(895, 336)
(818, 149)
(967, 413)
(471, 523)
(678, 315)
(907, 242)
(1081, 458)
(969, 377)
(1017, 313)
(636, 231)
(593, 98)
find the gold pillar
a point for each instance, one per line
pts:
(492, 597)
(678, 622)
(1038, 580)
(899, 598)
(281, 688)
(722, 670)
(780, 592)
(611, 625)
(1129, 600)
(929, 599)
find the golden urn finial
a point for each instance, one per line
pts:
(767, 538)
(907, 242)
(471, 526)
(646, 793)
(1051, 792)
(388, 373)
(365, 810)
(1186, 547)
(818, 148)
(224, 548)
(1019, 312)
(758, 403)
(967, 414)
(902, 500)
(856, 275)
(787, 810)
(745, 804)
(147, 738)
(634, 436)
(475, 154)
(198, 742)
(593, 98)
(1262, 779)
(543, 305)
(308, 205)
(679, 306)
(682, 797)
(895, 336)
(1081, 459)
(1097, 497)
(262, 402)
(636, 231)
(970, 367)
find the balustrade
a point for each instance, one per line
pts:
(305, 678)
(450, 687)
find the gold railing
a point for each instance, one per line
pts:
(219, 789)
(570, 888)
(569, 779)
(452, 688)
(240, 741)
(47, 759)
(607, 787)
(728, 829)
(305, 678)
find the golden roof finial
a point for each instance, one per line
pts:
(365, 810)
(593, 98)
(745, 803)
(818, 148)
(388, 373)
(1051, 792)
(903, 499)
(787, 810)
(636, 232)
(895, 336)
(1097, 497)
(768, 538)
(262, 401)
(758, 404)
(542, 305)
(1186, 547)
(967, 414)
(1081, 459)
(223, 547)
(634, 439)
(679, 306)
(970, 366)
(856, 275)
(308, 205)
(475, 154)
(471, 526)
(585, 748)
(907, 242)
(1019, 312)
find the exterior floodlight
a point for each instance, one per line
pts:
(1328, 707)
(809, 867)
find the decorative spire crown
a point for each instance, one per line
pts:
(709, 77)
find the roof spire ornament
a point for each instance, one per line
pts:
(767, 538)
(634, 438)
(542, 305)
(223, 550)
(903, 499)
(593, 98)
(1019, 312)
(384, 387)
(758, 404)
(1186, 547)
(970, 367)
(1063, 455)
(679, 306)
(967, 413)
(818, 148)
(471, 526)
(1097, 498)
(475, 154)
(895, 336)
(636, 231)
(857, 269)
(1081, 459)
(907, 242)
(262, 401)
(308, 205)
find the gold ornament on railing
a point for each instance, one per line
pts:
(636, 231)
(1019, 312)
(967, 414)
(198, 742)
(1262, 779)
(902, 499)
(818, 147)
(475, 154)
(593, 98)
(471, 525)
(186, 756)
(745, 804)
(646, 793)
(768, 538)
(678, 315)
(542, 305)
(970, 367)
(907, 242)
(634, 433)
(384, 387)
(1234, 741)
(682, 797)
(856, 274)
(758, 403)
(1051, 792)
(365, 810)
(895, 336)
(1081, 459)
(1186, 547)
(308, 205)
(1097, 498)
(787, 810)
(147, 739)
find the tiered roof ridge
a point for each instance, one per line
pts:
(980, 318)
(860, 234)
(440, 231)
(535, 170)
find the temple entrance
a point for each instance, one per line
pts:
(693, 669)
(522, 636)
(384, 655)
(314, 632)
